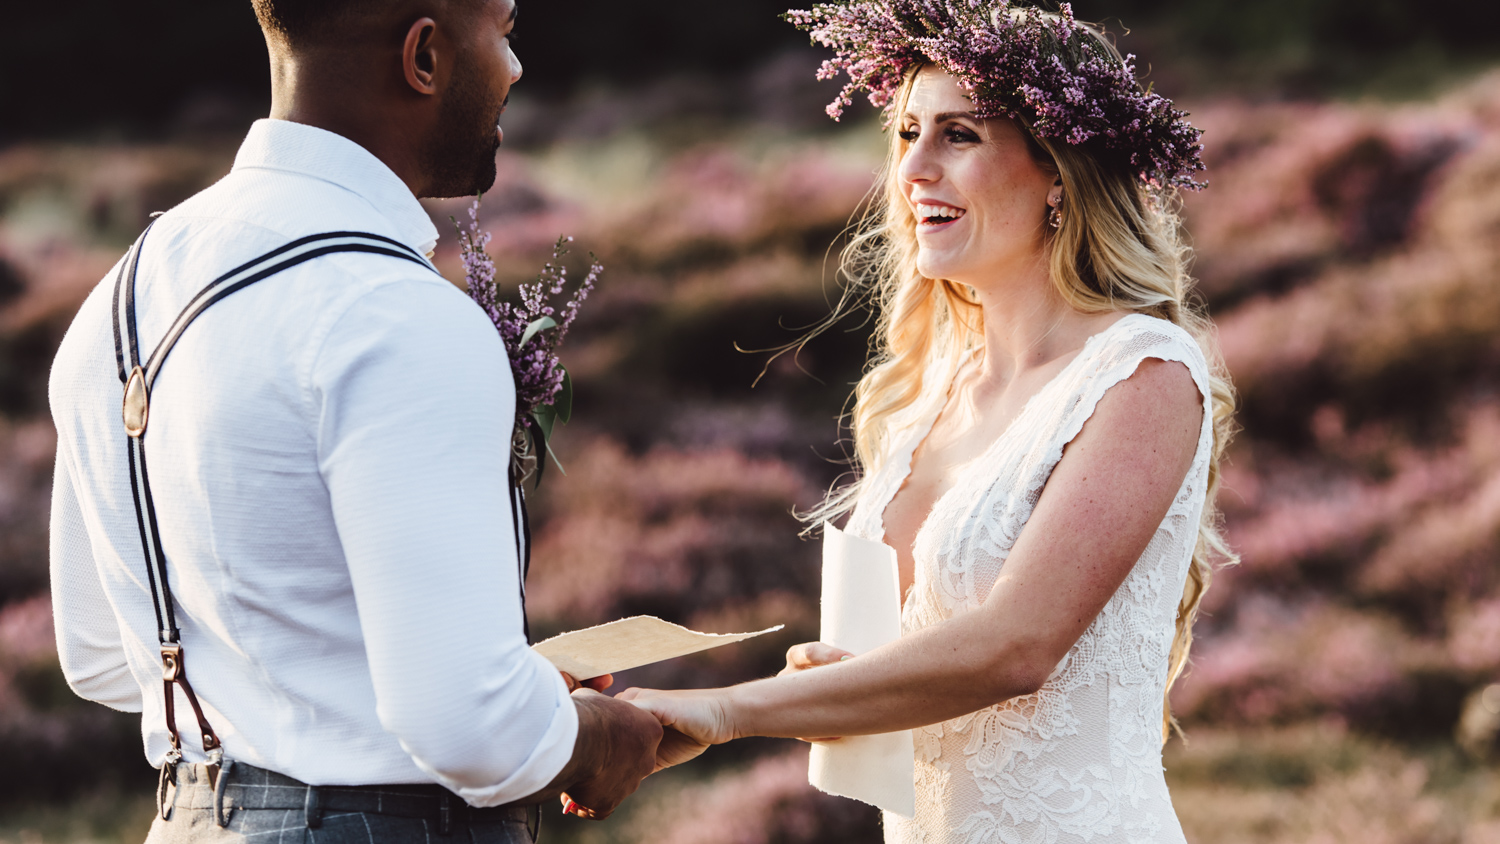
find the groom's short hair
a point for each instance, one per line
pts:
(309, 22)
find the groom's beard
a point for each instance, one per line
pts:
(462, 152)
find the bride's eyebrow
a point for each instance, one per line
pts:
(944, 117)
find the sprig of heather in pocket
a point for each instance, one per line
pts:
(532, 329)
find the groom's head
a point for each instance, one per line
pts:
(420, 83)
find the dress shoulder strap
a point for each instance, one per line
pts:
(1115, 355)
(1137, 337)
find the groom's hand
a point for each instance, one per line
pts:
(615, 749)
(811, 655)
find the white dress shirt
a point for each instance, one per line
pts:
(328, 453)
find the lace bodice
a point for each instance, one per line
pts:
(1080, 759)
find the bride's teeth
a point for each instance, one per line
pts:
(930, 212)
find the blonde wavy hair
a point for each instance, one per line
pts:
(1119, 248)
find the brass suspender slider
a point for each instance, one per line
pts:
(137, 407)
(171, 662)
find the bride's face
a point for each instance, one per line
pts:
(979, 196)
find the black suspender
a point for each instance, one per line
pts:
(522, 520)
(138, 379)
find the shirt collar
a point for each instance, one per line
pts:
(320, 154)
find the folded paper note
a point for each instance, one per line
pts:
(861, 612)
(630, 643)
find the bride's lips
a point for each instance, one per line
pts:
(934, 215)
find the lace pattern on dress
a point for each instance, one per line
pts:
(1080, 759)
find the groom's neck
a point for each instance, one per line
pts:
(351, 94)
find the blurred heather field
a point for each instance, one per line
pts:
(1344, 686)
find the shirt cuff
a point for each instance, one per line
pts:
(547, 759)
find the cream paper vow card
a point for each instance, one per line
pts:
(861, 612)
(630, 643)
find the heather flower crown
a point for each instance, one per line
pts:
(1015, 61)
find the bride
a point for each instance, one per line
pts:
(1039, 435)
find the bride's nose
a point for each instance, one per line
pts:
(919, 164)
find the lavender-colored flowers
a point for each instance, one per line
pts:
(1015, 61)
(532, 331)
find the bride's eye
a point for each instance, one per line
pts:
(908, 135)
(960, 135)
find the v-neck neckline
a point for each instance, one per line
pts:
(921, 433)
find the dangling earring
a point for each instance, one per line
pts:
(1054, 217)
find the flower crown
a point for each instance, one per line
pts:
(1014, 61)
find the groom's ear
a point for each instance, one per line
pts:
(419, 56)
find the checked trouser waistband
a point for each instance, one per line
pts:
(241, 786)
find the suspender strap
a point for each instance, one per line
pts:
(522, 520)
(139, 378)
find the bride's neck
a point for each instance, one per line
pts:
(1027, 325)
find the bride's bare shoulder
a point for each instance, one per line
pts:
(1158, 408)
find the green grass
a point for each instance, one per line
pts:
(102, 818)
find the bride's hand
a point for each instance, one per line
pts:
(811, 655)
(693, 721)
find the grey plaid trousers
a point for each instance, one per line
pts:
(251, 805)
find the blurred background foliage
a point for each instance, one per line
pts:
(1345, 680)
(149, 68)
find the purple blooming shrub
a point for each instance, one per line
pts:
(1015, 61)
(532, 330)
(768, 802)
(670, 528)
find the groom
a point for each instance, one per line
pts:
(326, 526)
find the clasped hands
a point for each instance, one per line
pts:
(668, 728)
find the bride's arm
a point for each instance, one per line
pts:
(1097, 513)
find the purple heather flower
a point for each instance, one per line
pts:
(535, 367)
(1015, 62)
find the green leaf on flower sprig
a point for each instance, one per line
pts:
(536, 327)
(548, 415)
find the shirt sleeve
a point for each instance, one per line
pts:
(416, 402)
(89, 644)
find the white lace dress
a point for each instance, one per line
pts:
(1079, 760)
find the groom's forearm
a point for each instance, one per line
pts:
(936, 674)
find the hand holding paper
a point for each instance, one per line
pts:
(861, 612)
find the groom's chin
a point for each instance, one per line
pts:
(452, 185)
(483, 181)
